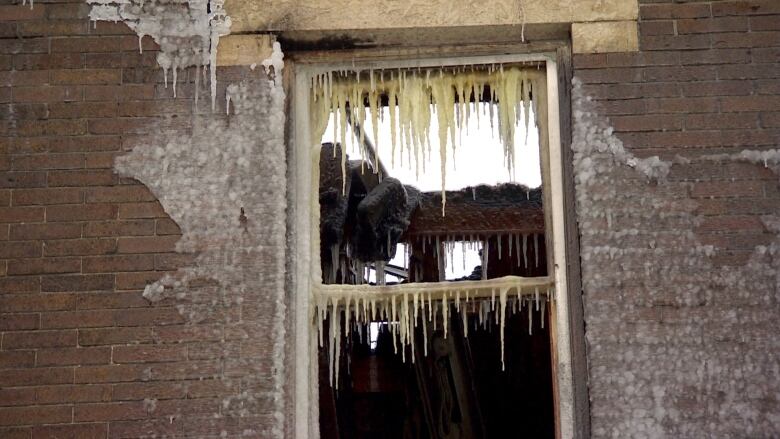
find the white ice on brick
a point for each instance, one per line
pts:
(223, 183)
(678, 345)
(187, 31)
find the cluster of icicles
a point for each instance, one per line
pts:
(348, 311)
(415, 96)
(524, 243)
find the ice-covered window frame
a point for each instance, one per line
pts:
(309, 294)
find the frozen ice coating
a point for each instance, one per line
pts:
(187, 31)
(415, 96)
(710, 366)
(224, 185)
(349, 308)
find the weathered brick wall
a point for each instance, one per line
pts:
(682, 337)
(82, 353)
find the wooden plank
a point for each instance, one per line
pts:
(579, 366)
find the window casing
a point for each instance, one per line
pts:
(307, 284)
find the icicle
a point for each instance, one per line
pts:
(502, 302)
(485, 251)
(175, 79)
(536, 250)
(498, 237)
(445, 311)
(544, 304)
(530, 319)
(334, 262)
(525, 250)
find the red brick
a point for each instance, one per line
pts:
(755, 71)
(731, 223)
(20, 284)
(86, 44)
(20, 12)
(716, 56)
(152, 244)
(16, 359)
(712, 25)
(167, 226)
(102, 264)
(32, 111)
(113, 411)
(745, 7)
(136, 280)
(131, 125)
(733, 189)
(78, 282)
(48, 161)
(20, 249)
(21, 215)
(122, 93)
(648, 12)
(77, 247)
(717, 88)
(81, 212)
(16, 322)
(65, 127)
(675, 42)
(647, 123)
(109, 336)
(202, 407)
(48, 61)
(17, 78)
(101, 160)
(36, 377)
(682, 105)
(86, 144)
(721, 121)
(750, 103)
(112, 373)
(19, 45)
(157, 316)
(656, 28)
(190, 370)
(5, 197)
(141, 210)
(17, 396)
(103, 300)
(36, 302)
(45, 231)
(77, 319)
(770, 120)
(72, 431)
(15, 433)
(82, 178)
(118, 194)
(119, 228)
(746, 39)
(28, 29)
(761, 23)
(157, 390)
(44, 266)
(17, 180)
(26, 197)
(38, 339)
(75, 110)
(86, 76)
(73, 393)
(148, 354)
(35, 415)
(610, 75)
(189, 333)
(29, 145)
(73, 356)
(766, 55)
(43, 93)
(154, 108)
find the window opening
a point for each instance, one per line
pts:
(432, 228)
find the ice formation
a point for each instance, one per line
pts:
(678, 346)
(187, 32)
(224, 185)
(405, 306)
(415, 96)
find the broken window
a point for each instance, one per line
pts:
(432, 252)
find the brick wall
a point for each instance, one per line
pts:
(82, 353)
(681, 336)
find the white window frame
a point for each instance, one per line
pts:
(305, 264)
